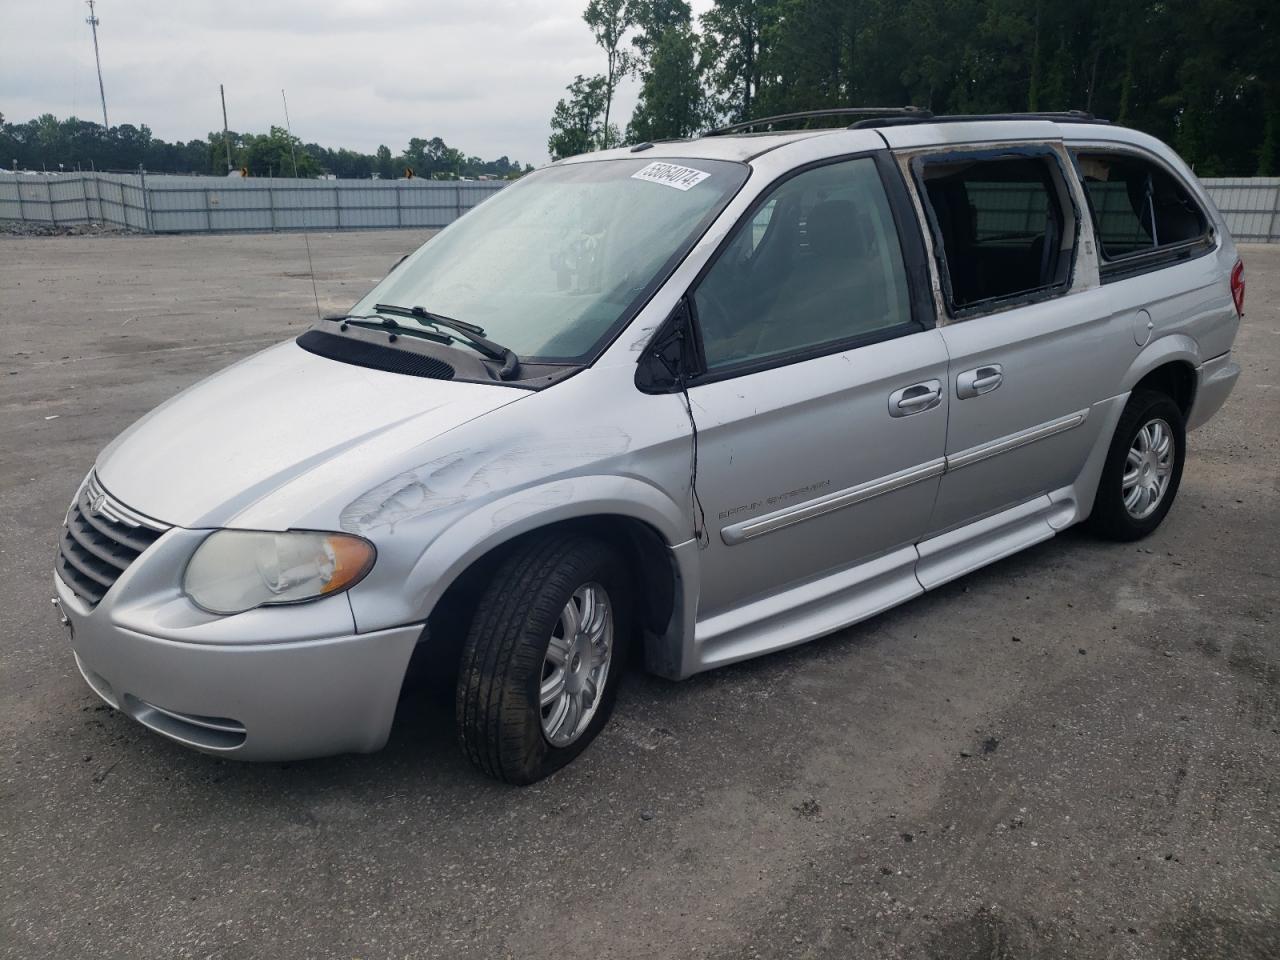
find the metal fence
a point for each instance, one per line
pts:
(1251, 206)
(168, 204)
(69, 199)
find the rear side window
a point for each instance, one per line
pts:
(1000, 227)
(818, 266)
(1138, 208)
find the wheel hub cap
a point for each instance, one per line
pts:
(1148, 467)
(576, 667)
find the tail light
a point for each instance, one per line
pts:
(1237, 286)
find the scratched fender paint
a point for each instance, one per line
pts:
(468, 473)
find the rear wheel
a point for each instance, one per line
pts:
(542, 659)
(1143, 469)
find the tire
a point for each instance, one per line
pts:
(1115, 519)
(508, 652)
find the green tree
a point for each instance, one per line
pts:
(653, 18)
(732, 32)
(216, 154)
(577, 124)
(609, 21)
(279, 154)
(433, 159)
(47, 142)
(383, 163)
(671, 102)
(802, 57)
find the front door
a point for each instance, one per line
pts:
(822, 409)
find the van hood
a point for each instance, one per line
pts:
(260, 443)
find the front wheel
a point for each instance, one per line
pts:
(542, 659)
(1143, 468)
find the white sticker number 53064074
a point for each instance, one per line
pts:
(671, 175)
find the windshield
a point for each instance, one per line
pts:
(554, 263)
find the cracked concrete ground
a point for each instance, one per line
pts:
(1070, 754)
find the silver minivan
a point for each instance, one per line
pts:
(670, 406)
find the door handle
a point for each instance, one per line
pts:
(916, 398)
(974, 383)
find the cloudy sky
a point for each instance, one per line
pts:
(483, 74)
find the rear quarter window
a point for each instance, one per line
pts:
(1140, 210)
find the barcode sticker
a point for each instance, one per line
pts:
(671, 175)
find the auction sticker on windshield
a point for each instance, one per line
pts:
(671, 175)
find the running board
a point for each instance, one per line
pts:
(810, 610)
(961, 551)
(837, 600)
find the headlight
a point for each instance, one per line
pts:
(236, 570)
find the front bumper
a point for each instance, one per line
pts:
(251, 701)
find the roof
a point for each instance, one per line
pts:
(899, 128)
(740, 148)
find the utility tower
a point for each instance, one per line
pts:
(93, 23)
(226, 137)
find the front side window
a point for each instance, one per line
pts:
(817, 263)
(1137, 206)
(556, 261)
(1000, 226)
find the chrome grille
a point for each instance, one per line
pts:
(101, 538)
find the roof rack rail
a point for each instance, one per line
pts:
(1060, 116)
(903, 114)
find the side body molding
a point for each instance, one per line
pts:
(1043, 431)
(810, 509)
(756, 526)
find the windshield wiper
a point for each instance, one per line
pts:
(393, 329)
(468, 333)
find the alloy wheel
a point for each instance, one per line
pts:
(576, 666)
(1148, 467)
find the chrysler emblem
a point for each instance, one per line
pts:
(98, 503)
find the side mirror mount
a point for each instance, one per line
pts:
(671, 358)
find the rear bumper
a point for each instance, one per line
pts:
(250, 701)
(1215, 380)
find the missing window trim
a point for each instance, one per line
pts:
(1060, 180)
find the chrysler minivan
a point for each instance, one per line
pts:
(668, 406)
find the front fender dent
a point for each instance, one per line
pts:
(476, 532)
